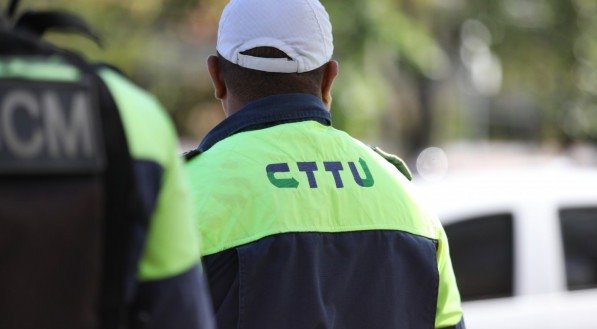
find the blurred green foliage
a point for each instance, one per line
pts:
(412, 72)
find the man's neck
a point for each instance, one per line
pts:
(232, 105)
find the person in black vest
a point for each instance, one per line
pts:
(96, 225)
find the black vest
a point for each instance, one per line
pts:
(67, 196)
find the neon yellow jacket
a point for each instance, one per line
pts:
(304, 226)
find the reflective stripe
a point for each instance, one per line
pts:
(51, 69)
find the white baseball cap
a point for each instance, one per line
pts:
(299, 28)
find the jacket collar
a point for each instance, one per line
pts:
(267, 112)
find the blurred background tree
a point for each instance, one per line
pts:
(414, 73)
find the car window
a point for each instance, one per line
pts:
(579, 233)
(481, 249)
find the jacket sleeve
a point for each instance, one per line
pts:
(170, 291)
(449, 312)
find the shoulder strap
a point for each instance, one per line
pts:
(123, 209)
(395, 160)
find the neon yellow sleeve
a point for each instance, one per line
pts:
(449, 311)
(172, 245)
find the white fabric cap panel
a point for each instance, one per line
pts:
(300, 28)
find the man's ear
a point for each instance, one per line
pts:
(213, 66)
(329, 74)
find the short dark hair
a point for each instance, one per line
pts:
(249, 85)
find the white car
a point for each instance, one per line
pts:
(523, 243)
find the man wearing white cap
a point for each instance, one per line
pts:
(303, 226)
